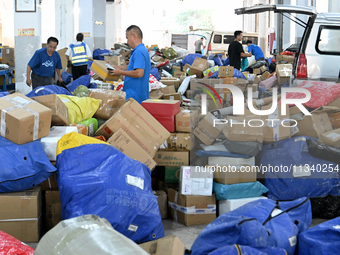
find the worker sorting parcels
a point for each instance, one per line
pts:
(255, 50)
(137, 73)
(235, 51)
(77, 56)
(43, 65)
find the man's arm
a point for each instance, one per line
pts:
(137, 73)
(28, 77)
(244, 55)
(59, 75)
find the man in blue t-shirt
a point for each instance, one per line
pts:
(43, 65)
(255, 50)
(137, 73)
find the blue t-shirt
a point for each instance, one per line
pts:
(256, 51)
(44, 65)
(138, 88)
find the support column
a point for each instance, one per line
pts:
(64, 22)
(110, 25)
(92, 21)
(25, 46)
(262, 30)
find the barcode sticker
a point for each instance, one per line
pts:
(21, 100)
(333, 136)
(133, 228)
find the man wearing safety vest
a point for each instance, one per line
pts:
(77, 56)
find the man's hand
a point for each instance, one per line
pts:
(29, 82)
(116, 72)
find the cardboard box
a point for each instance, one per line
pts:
(229, 80)
(186, 67)
(168, 90)
(226, 71)
(178, 73)
(180, 141)
(20, 126)
(167, 174)
(204, 210)
(52, 209)
(170, 245)
(257, 71)
(155, 94)
(50, 184)
(233, 175)
(161, 185)
(124, 143)
(275, 131)
(283, 73)
(8, 56)
(265, 75)
(335, 119)
(139, 124)
(164, 111)
(162, 199)
(172, 158)
(314, 125)
(111, 101)
(173, 96)
(20, 214)
(287, 58)
(331, 138)
(62, 54)
(188, 93)
(169, 82)
(195, 183)
(237, 129)
(205, 130)
(99, 67)
(186, 120)
(115, 60)
(198, 67)
(59, 109)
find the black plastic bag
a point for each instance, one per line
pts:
(326, 207)
(323, 151)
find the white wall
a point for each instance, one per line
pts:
(110, 25)
(7, 17)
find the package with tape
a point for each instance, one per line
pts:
(23, 120)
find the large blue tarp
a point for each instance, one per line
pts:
(48, 90)
(287, 156)
(82, 80)
(23, 166)
(97, 52)
(247, 250)
(323, 239)
(190, 58)
(66, 77)
(111, 185)
(258, 224)
(5, 93)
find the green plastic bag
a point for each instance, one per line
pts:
(92, 124)
(81, 91)
(170, 53)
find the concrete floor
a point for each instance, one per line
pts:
(187, 234)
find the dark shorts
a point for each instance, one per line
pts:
(38, 80)
(200, 52)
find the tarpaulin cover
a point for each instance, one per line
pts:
(155, 73)
(258, 224)
(48, 90)
(323, 151)
(238, 74)
(247, 250)
(80, 108)
(226, 62)
(82, 80)
(108, 184)
(287, 156)
(322, 93)
(12, 246)
(189, 59)
(323, 239)
(5, 93)
(23, 166)
(239, 190)
(97, 52)
(66, 77)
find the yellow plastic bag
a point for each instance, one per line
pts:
(73, 139)
(80, 108)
